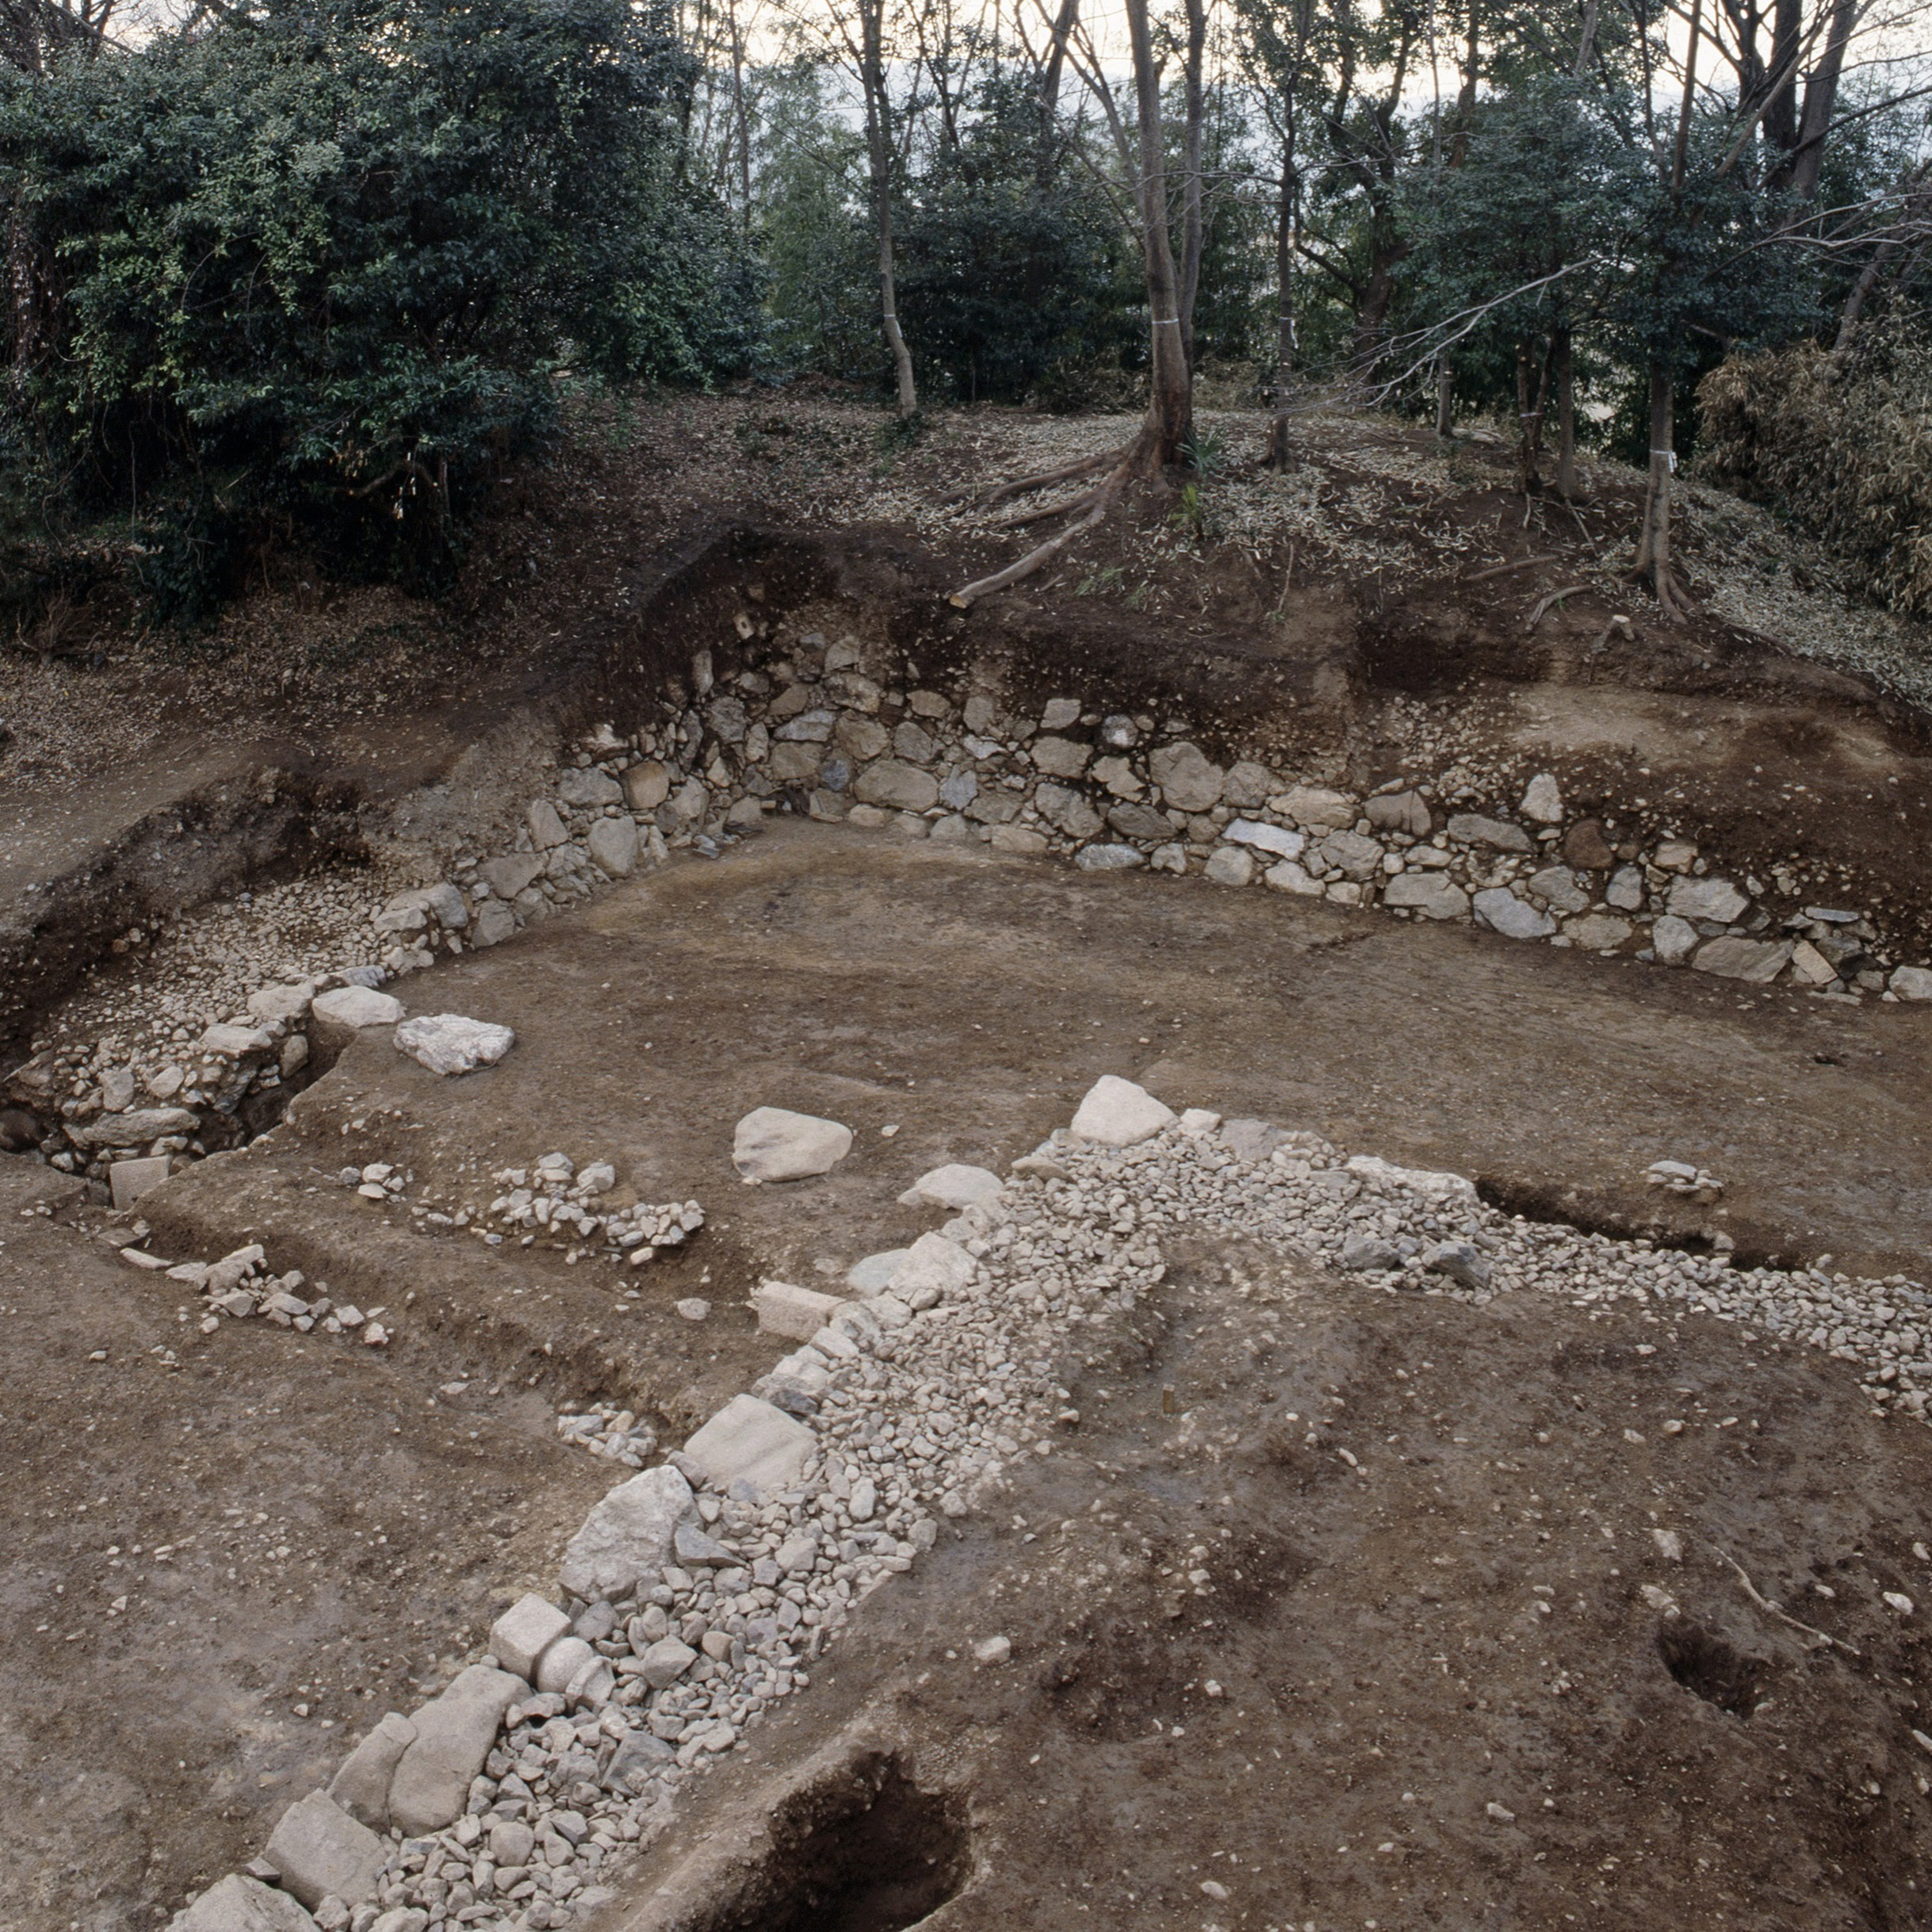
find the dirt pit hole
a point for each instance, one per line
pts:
(1712, 1669)
(863, 1849)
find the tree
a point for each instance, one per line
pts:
(1167, 428)
(323, 269)
(871, 44)
(1525, 239)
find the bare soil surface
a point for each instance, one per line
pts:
(1453, 1620)
(225, 1553)
(1393, 1609)
(1424, 1687)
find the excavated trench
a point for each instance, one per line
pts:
(810, 941)
(1766, 762)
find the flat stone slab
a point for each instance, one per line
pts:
(1435, 895)
(627, 1536)
(772, 1143)
(454, 1733)
(1707, 898)
(1473, 828)
(451, 1043)
(321, 1852)
(750, 1440)
(1756, 961)
(131, 1130)
(1266, 838)
(130, 1179)
(1118, 1114)
(798, 1314)
(239, 1904)
(357, 1006)
(1445, 1190)
(953, 1186)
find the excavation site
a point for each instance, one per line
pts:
(695, 1242)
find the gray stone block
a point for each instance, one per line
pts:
(524, 1631)
(454, 1733)
(321, 1852)
(361, 1786)
(239, 1904)
(627, 1536)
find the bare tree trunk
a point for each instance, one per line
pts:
(1386, 250)
(879, 154)
(1653, 558)
(1566, 418)
(1652, 562)
(1278, 456)
(1820, 97)
(1445, 395)
(1050, 89)
(1192, 135)
(1167, 430)
(741, 112)
(1170, 427)
(1586, 42)
(1529, 419)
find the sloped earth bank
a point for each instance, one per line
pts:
(770, 676)
(1468, 1607)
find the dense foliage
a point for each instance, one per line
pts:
(1842, 441)
(324, 268)
(316, 268)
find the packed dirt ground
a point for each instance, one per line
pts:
(1523, 1656)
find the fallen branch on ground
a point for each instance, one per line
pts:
(1543, 603)
(1772, 1609)
(1501, 570)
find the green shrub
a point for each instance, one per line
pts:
(323, 268)
(1841, 444)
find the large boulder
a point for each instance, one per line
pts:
(954, 1186)
(899, 787)
(772, 1143)
(627, 1536)
(1118, 1114)
(612, 843)
(933, 1269)
(1189, 781)
(338, 1016)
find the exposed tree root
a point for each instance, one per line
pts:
(1087, 466)
(1071, 506)
(1673, 603)
(1139, 458)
